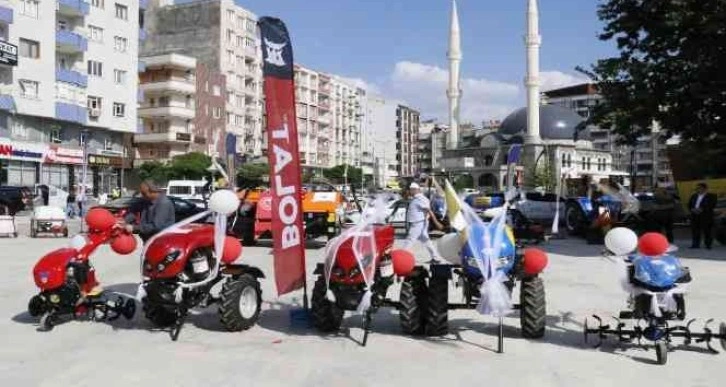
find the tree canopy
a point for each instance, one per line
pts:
(191, 166)
(337, 174)
(670, 68)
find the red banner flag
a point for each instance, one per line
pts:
(283, 155)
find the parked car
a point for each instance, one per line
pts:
(135, 205)
(15, 198)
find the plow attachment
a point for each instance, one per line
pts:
(657, 331)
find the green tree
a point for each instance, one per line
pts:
(154, 170)
(190, 166)
(670, 68)
(252, 174)
(337, 174)
(463, 181)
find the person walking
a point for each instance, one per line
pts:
(71, 204)
(417, 218)
(155, 217)
(701, 206)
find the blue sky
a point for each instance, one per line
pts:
(398, 47)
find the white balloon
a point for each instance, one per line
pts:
(449, 246)
(224, 202)
(78, 241)
(621, 241)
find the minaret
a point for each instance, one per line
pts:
(531, 82)
(454, 92)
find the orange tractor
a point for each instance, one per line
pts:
(323, 209)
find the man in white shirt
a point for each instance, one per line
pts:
(417, 219)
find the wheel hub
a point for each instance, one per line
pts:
(248, 302)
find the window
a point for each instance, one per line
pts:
(230, 15)
(62, 25)
(122, 12)
(119, 109)
(249, 42)
(120, 44)
(230, 57)
(217, 112)
(251, 25)
(94, 103)
(29, 8)
(119, 76)
(55, 135)
(29, 48)
(95, 33)
(97, 3)
(216, 90)
(240, 41)
(107, 144)
(240, 22)
(230, 36)
(95, 68)
(29, 88)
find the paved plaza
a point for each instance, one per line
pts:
(578, 281)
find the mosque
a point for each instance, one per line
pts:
(554, 139)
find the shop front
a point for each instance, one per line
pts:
(61, 168)
(20, 162)
(105, 172)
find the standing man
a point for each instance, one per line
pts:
(701, 207)
(417, 217)
(156, 216)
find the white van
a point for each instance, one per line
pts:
(186, 189)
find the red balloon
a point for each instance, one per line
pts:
(232, 249)
(403, 262)
(535, 260)
(100, 219)
(653, 244)
(124, 244)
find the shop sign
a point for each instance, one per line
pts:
(60, 155)
(8, 54)
(22, 151)
(105, 161)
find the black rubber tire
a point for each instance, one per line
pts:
(437, 310)
(229, 312)
(160, 317)
(47, 322)
(327, 316)
(129, 309)
(413, 301)
(661, 352)
(533, 308)
(36, 306)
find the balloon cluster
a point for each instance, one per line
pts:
(623, 241)
(101, 220)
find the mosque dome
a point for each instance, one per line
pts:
(555, 123)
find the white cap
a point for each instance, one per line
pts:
(414, 186)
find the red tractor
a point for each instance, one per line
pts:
(360, 267)
(67, 280)
(180, 268)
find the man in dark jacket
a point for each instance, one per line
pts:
(155, 217)
(701, 207)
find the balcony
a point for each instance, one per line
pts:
(72, 113)
(70, 42)
(71, 76)
(6, 15)
(163, 138)
(77, 8)
(178, 85)
(166, 112)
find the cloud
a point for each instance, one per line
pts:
(358, 82)
(550, 80)
(423, 87)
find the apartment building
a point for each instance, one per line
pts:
(222, 36)
(647, 162)
(407, 129)
(379, 142)
(330, 117)
(72, 91)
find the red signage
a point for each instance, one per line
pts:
(284, 156)
(60, 155)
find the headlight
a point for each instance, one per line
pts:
(331, 217)
(338, 272)
(160, 267)
(54, 298)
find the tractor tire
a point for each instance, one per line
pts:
(160, 317)
(240, 303)
(574, 219)
(327, 316)
(533, 308)
(661, 352)
(413, 300)
(437, 310)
